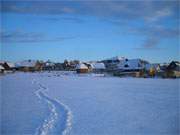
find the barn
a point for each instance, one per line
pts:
(29, 65)
(82, 68)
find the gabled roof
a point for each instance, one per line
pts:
(10, 64)
(174, 65)
(97, 65)
(81, 66)
(131, 64)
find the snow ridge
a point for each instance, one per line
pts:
(60, 116)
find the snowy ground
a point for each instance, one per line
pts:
(67, 103)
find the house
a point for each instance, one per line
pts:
(1, 69)
(82, 68)
(174, 65)
(131, 65)
(150, 66)
(153, 69)
(98, 67)
(9, 66)
(73, 64)
(111, 63)
(163, 66)
(29, 65)
(88, 64)
(67, 65)
(48, 65)
(173, 69)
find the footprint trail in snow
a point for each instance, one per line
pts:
(59, 120)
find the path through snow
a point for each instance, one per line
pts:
(60, 119)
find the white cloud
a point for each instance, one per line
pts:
(159, 14)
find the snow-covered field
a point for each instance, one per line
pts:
(66, 103)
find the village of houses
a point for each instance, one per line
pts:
(116, 66)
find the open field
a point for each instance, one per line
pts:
(90, 104)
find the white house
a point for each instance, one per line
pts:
(26, 63)
(98, 67)
(111, 63)
(131, 65)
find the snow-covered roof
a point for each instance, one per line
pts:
(10, 64)
(49, 64)
(81, 66)
(131, 64)
(26, 63)
(97, 65)
(1, 67)
(177, 63)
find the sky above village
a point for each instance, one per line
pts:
(89, 30)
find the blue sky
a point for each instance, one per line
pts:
(91, 30)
